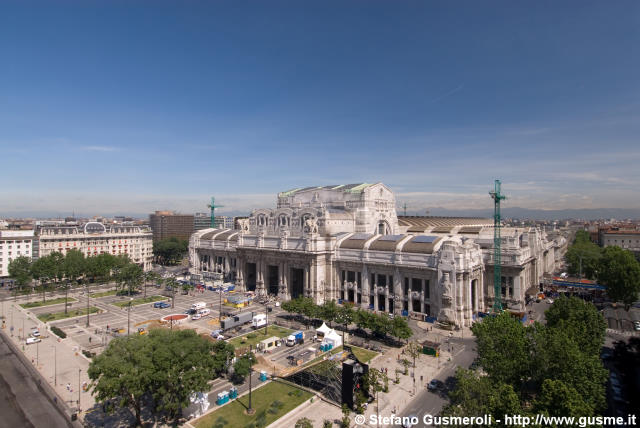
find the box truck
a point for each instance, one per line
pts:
(295, 338)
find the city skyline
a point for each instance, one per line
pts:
(110, 109)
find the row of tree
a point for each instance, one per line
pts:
(170, 251)
(164, 368)
(345, 314)
(59, 271)
(553, 369)
(613, 266)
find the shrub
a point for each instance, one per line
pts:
(251, 336)
(88, 354)
(61, 334)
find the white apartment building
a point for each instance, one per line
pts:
(13, 244)
(95, 238)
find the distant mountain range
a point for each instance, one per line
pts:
(510, 212)
(537, 214)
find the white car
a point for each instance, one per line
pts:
(31, 340)
(204, 312)
(195, 317)
(35, 332)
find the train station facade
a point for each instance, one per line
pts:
(346, 243)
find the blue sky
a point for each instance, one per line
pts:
(110, 107)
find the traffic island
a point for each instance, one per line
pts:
(57, 301)
(70, 314)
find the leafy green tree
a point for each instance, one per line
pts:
(374, 382)
(124, 372)
(476, 395)
(344, 317)
(583, 256)
(170, 250)
(20, 270)
(304, 423)
(173, 284)
(182, 365)
(57, 260)
(329, 311)
(400, 328)
(74, 265)
(556, 356)
(363, 319)
(99, 267)
(503, 349)
(150, 276)
(44, 271)
(580, 320)
(620, 272)
(558, 399)
(130, 277)
(242, 366)
(223, 353)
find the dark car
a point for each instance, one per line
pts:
(435, 385)
(161, 305)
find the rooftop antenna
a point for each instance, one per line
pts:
(405, 209)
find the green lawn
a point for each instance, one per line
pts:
(270, 402)
(140, 301)
(47, 303)
(258, 336)
(104, 294)
(71, 313)
(364, 355)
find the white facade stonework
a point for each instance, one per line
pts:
(95, 238)
(347, 243)
(14, 244)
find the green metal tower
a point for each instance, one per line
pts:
(213, 207)
(497, 253)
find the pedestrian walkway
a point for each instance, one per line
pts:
(59, 361)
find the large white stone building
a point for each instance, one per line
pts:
(347, 243)
(13, 244)
(94, 238)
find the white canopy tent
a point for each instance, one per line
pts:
(332, 338)
(323, 330)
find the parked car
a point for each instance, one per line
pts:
(31, 340)
(195, 317)
(161, 305)
(435, 385)
(636, 325)
(35, 332)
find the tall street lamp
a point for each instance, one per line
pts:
(129, 316)
(55, 366)
(87, 304)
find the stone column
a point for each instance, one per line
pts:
(260, 288)
(397, 292)
(365, 287)
(307, 282)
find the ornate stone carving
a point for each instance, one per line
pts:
(446, 313)
(244, 224)
(311, 225)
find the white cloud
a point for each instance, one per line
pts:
(100, 148)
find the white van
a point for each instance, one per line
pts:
(259, 320)
(204, 312)
(199, 305)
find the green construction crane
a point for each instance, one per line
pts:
(497, 253)
(213, 207)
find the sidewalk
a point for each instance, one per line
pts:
(59, 361)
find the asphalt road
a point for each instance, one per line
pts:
(428, 402)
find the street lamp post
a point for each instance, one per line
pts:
(55, 366)
(79, 390)
(37, 354)
(267, 318)
(87, 304)
(250, 410)
(129, 317)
